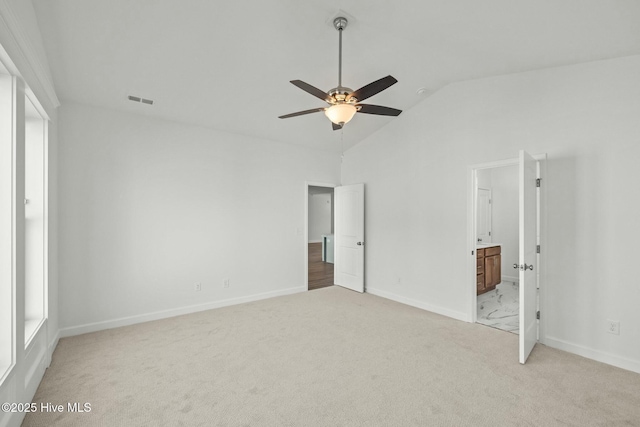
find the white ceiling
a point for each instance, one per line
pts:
(227, 65)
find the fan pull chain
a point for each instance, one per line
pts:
(342, 145)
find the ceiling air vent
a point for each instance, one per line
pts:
(138, 99)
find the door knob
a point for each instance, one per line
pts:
(525, 267)
(360, 243)
(530, 267)
(515, 266)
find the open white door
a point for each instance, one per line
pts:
(349, 237)
(527, 256)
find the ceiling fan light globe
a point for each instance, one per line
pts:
(340, 113)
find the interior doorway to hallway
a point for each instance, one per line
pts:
(320, 239)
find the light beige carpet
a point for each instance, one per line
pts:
(329, 357)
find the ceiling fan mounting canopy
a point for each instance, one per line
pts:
(344, 101)
(340, 23)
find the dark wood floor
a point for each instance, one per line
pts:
(320, 273)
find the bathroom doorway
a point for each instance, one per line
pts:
(497, 248)
(493, 267)
(320, 238)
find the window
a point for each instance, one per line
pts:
(23, 234)
(35, 149)
(7, 85)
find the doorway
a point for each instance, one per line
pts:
(320, 236)
(497, 248)
(485, 265)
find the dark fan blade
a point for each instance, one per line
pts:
(377, 109)
(301, 113)
(336, 127)
(372, 88)
(311, 89)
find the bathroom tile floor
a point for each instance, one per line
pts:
(499, 308)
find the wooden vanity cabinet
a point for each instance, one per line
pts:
(480, 270)
(489, 268)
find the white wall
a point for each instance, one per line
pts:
(415, 169)
(320, 210)
(504, 181)
(150, 207)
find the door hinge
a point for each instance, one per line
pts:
(489, 233)
(538, 249)
(537, 182)
(538, 315)
(489, 201)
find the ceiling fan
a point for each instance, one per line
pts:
(345, 102)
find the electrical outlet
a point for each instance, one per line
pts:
(197, 287)
(226, 283)
(613, 327)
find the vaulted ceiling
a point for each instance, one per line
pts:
(227, 64)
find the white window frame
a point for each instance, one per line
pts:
(32, 326)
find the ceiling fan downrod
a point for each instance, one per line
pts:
(340, 24)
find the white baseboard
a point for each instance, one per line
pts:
(52, 347)
(510, 279)
(590, 353)
(22, 381)
(315, 241)
(419, 304)
(132, 320)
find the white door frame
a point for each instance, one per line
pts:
(308, 184)
(472, 312)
